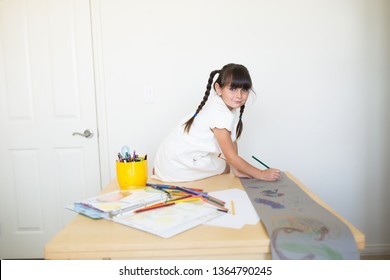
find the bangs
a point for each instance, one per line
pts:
(237, 77)
(241, 83)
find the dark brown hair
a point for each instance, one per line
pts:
(233, 75)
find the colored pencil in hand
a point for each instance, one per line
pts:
(260, 162)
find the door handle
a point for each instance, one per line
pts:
(87, 133)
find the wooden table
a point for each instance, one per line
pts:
(85, 238)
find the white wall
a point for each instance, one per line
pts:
(321, 75)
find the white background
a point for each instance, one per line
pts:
(111, 269)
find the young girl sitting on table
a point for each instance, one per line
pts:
(205, 144)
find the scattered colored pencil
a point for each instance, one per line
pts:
(154, 207)
(222, 208)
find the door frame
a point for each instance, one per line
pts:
(100, 92)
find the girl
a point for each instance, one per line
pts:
(205, 144)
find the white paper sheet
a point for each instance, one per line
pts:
(244, 212)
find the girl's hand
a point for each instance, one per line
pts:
(270, 174)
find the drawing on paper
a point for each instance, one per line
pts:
(273, 204)
(113, 196)
(289, 231)
(272, 193)
(256, 187)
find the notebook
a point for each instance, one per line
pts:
(118, 202)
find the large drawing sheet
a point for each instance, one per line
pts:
(298, 227)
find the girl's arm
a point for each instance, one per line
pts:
(234, 170)
(229, 149)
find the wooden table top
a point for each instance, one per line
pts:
(85, 238)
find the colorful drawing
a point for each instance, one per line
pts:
(309, 235)
(299, 228)
(256, 187)
(272, 193)
(317, 229)
(114, 196)
(273, 204)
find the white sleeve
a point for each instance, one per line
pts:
(222, 119)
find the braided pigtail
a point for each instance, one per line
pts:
(188, 124)
(240, 124)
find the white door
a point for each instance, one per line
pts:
(46, 94)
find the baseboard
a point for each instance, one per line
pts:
(376, 249)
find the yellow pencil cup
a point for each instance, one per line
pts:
(132, 175)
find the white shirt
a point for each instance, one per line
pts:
(193, 156)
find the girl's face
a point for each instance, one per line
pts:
(233, 97)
